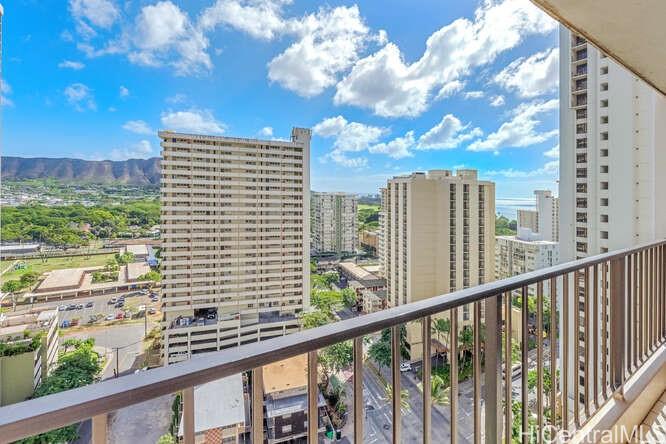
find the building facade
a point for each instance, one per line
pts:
(439, 232)
(548, 215)
(334, 222)
(528, 219)
(515, 256)
(610, 195)
(235, 240)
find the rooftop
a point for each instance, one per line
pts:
(63, 278)
(137, 250)
(136, 269)
(284, 375)
(357, 271)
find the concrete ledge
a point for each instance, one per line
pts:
(623, 413)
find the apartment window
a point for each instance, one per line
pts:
(581, 84)
(604, 168)
(603, 119)
(581, 247)
(581, 69)
(581, 54)
(581, 99)
(604, 135)
(604, 234)
(581, 202)
(604, 86)
(604, 185)
(604, 70)
(581, 172)
(581, 128)
(603, 153)
(581, 188)
(581, 158)
(581, 143)
(604, 103)
(581, 113)
(581, 232)
(578, 40)
(604, 202)
(581, 217)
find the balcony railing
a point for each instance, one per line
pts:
(592, 353)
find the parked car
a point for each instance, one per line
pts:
(142, 308)
(152, 311)
(119, 304)
(109, 317)
(64, 324)
(74, 322)
(210, 316)
(71, 307)
(79, 306)
(120, 316)
(62, 307)
(405, 366)
(144, 292)
(154, 298)
(90, 304)
(112, 301)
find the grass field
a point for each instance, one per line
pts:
(54, 263)
(367, 207)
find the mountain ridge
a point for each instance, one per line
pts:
(130, 172)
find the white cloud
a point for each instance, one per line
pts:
(328, 43)
(396, 148)
(138, 127)
(123, 91)
(496, 101)
(71, 64)
(451, 88)
(139, 150)
(550, 169)
(341, 158)
(193, 121)
(474, 94)
(390, 87)
(261, 19)
(5, 90)
(521, 130)
(162, 30)
(553, 153)
(349, 136)
(93, 13)
(176, 99)
(447, 134)
(532, 76)
(80, 97)
(266, 131)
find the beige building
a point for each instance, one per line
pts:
(439, 232)
(235, 236)
(514, 256)
(528, 219)
(334, 222)
(28, 351)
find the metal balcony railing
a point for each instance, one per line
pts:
(590, 352)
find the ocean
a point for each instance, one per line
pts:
(509, 207)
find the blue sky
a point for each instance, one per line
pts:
(388, 87)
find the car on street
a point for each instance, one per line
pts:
(90, 304)
(79, 306)
(71, 307)
(112, 301)
(144, 292)
(152, 311)
(154, 298)
(405, 366)
(119, 304)
(62, 307)
(120, 316)
(142, 308)
(109, 317)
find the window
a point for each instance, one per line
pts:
(604, 103)
(581, 143)
(581, 128)
(603, 153)
(604, 218)
(604, 119)
(582, 172)
(581, 202)
(581, 113)
(581, 188)
(581, 247)
(604, 185)
(286, 428)
(604, 234)
(604, 135)
(581, 158)
(604, 70)
(604, 202)
(604, 86)
(604, 168)
(581, 232)
(581, 217)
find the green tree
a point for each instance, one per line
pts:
(380, 352)
(404, 397)
(312, 319)
(504, 226)
(124, 258)
(326, 300)
(349, 298)
(440, 392)
(166, 439)
(336, 357)
(152, 275)
(12, 286)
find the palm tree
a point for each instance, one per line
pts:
(439, 391)
(466, 341)
(404, 396)
(441, 328)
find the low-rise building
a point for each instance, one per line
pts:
(28, 350)
(135, 270)
(373, 301)
(285, 386)
(140, 251)
(515, 255)
(370, 241)
(221, 413)
(359, 278)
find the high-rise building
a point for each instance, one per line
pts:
(439, 234)
(381, 244)
(334, 223)
(514, 256)
(528, 219)
(235, 240)
(610, 195)
(544, 220)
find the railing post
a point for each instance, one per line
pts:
(359, 408)
(313, 395)
(99, 429)
(257, 406)
(396, 358)
(493, 370)
(188, 415)
(617, 313)
(426, 374)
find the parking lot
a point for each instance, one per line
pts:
(106, 308)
